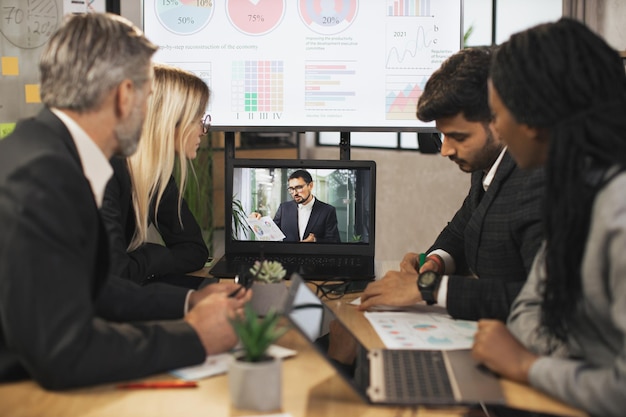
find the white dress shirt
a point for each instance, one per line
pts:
(304, 214)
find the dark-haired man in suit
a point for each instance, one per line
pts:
(305, 218)
(481, 259)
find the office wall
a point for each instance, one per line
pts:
(605, 17)
(131, 9)
(611, 19)
(24, 30)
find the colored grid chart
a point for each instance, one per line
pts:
(328, 17)
(401, 96)
(330, 85)
(257, 86)
(408, 8)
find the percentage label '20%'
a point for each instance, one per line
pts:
(256, 18)
(186, 20)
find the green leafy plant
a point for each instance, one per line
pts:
(240, 226)
(467, 35)
(257, 334)
(268, 271)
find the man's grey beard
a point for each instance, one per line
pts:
(129, 133)
(128, 145)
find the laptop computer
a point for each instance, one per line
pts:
(261, 186)
(389, 376)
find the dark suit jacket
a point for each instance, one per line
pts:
(63, 322)
(184, 250)
(322, 223)
(494, 236)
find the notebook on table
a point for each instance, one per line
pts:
(261, 185)
(389, 376)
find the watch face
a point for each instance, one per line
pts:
(427, 278)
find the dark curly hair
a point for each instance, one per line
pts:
(458, 86)
(564, 78)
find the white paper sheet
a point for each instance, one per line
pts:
(218, 364)
(265, 229)
(422, 329)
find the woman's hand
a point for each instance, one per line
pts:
(496, 348)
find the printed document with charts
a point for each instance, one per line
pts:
(421, 327)
(265, 229)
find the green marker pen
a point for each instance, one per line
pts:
(422, 259)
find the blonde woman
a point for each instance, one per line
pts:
(143, 191)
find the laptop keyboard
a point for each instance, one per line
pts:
(318, 261)
(416, 374)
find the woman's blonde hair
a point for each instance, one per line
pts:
(176, 106)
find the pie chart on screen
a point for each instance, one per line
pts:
(328, 17)
(255, 17)
(184, 17)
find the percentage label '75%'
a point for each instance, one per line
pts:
(255, 18)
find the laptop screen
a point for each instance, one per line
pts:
(328, 335)
(345, 188)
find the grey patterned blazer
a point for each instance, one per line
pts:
(493, 237)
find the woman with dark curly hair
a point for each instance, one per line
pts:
(558, 95)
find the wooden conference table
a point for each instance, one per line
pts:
(310, 389)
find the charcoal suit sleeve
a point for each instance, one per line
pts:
(49, 317)
(509, 242)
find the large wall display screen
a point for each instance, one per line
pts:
(308, 64)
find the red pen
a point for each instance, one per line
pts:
(159, 384)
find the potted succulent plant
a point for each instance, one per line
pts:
(255, 377)
(268, 288)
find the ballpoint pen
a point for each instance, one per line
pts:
(177, 383)
(247, 280)
(243, 286)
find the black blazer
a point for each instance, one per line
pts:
(63, 321)
(184, 250)
(494, 236)
(322, 223)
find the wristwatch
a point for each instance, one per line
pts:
(428, 284)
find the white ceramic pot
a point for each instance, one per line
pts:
(255, 385)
